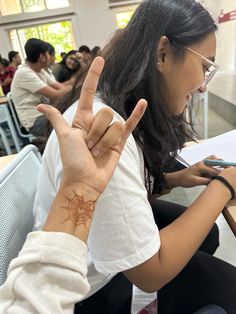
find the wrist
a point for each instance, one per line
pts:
(227, 185)
(84, 190)
(72, 210)
(169, 179)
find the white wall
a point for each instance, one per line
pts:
(96, 22)
(226, 36)
(227, 39)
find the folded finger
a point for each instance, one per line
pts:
(209, 171)
(109, 139)
(202, 181)
(101, 123)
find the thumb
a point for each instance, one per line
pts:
(55, 117)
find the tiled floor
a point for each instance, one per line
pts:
(227, 249)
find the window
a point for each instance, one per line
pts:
(10, 7)
(32, 5)
(56, 4)
(122, 3)
(26, 6)
(59, 34)
(122, 18)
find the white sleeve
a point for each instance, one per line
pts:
(48, 276)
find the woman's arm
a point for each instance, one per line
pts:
(181, 239)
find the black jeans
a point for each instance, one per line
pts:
(204, 280)
(40, 127)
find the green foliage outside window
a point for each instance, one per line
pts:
(59, 34)
(123, 18)
(33, 5)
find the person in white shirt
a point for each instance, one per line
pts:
(32, 85)
(165, 54)
(49, 275)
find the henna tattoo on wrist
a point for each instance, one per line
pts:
(79, 211)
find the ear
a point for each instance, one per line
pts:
(162, 50)
(42, 57)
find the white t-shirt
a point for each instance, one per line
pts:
(123, 232)
(25, 86)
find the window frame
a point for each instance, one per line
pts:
(27, 24)
(29, 16)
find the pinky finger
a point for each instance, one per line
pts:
(134, 118)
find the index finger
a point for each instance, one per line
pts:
(90, 84)
(134, 118)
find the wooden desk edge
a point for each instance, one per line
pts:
(5, 160)
(230, 215)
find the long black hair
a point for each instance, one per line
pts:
(131, 72)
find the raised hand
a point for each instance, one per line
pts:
(91, 147)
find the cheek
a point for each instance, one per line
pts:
(68, 63)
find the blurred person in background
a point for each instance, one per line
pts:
(96, 51)
(86, 53)
(32, 85)
(65, 69)
(15, 60)
(62, 54)
(6, 75)
(51, 51)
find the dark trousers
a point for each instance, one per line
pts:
(40, 127)
(39, 130)
(204, 280)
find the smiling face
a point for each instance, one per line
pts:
(71, 61)
(184, 77)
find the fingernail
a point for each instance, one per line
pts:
(96, 152)
(90, 144)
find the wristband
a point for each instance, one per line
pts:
(227, 184)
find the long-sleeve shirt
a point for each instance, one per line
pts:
(48, 276)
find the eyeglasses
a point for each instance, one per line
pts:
(211, 71)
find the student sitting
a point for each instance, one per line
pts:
(32, 85)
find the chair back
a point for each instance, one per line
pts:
(19, 128)
(18, 182)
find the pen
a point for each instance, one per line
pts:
(221, 163)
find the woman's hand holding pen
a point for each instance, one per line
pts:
(197, 174)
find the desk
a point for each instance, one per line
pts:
(230, 215)
(6, 117)
(3, 100)
(5, 160)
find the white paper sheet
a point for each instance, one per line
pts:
(222, 146)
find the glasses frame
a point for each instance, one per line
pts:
(212, 73)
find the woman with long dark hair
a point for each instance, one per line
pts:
(165, 55)
(65, 69)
